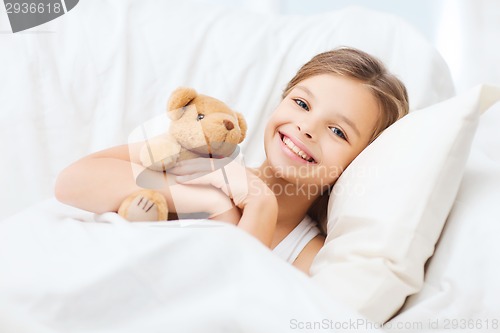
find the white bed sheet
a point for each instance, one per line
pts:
(67, 270)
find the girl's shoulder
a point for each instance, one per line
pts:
(308, 253)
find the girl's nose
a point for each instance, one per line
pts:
(304, 131)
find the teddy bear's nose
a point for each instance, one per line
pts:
(229, 125)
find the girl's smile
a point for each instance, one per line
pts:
(321, 125)
(296, 149)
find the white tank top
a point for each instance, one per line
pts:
(291, 246)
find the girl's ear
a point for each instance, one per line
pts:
(243, 126)
(180, 98)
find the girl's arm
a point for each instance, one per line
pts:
(259, 211)
(101, 181)
(307, 255)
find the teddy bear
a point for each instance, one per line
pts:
(200, 126)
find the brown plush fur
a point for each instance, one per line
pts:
(200, 126)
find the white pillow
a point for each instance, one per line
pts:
(461, 280)
(388, 208)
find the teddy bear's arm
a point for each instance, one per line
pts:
(160, 153)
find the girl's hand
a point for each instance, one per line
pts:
(197, 167)
(246, 190)
(226, 174)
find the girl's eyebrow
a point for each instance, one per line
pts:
(346, 120)
(307, 91)
(349, 123)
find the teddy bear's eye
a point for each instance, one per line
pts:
(201, 116)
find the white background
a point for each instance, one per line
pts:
(466, 32)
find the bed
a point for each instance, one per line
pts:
(417, 250)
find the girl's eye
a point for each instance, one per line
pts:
(337, 131)
(302, 104)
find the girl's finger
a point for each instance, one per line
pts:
(203, 164)
(191, 166)
(217, 179)
(193, 179)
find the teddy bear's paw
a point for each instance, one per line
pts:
(145, 205)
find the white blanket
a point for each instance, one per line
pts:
(66, 270)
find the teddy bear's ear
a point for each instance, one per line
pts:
(179, 98)
(243, 126)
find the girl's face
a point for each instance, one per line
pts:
(319, 128)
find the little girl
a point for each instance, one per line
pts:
(336, 105)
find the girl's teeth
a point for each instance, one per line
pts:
(296, 149)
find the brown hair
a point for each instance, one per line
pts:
(389, 91)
